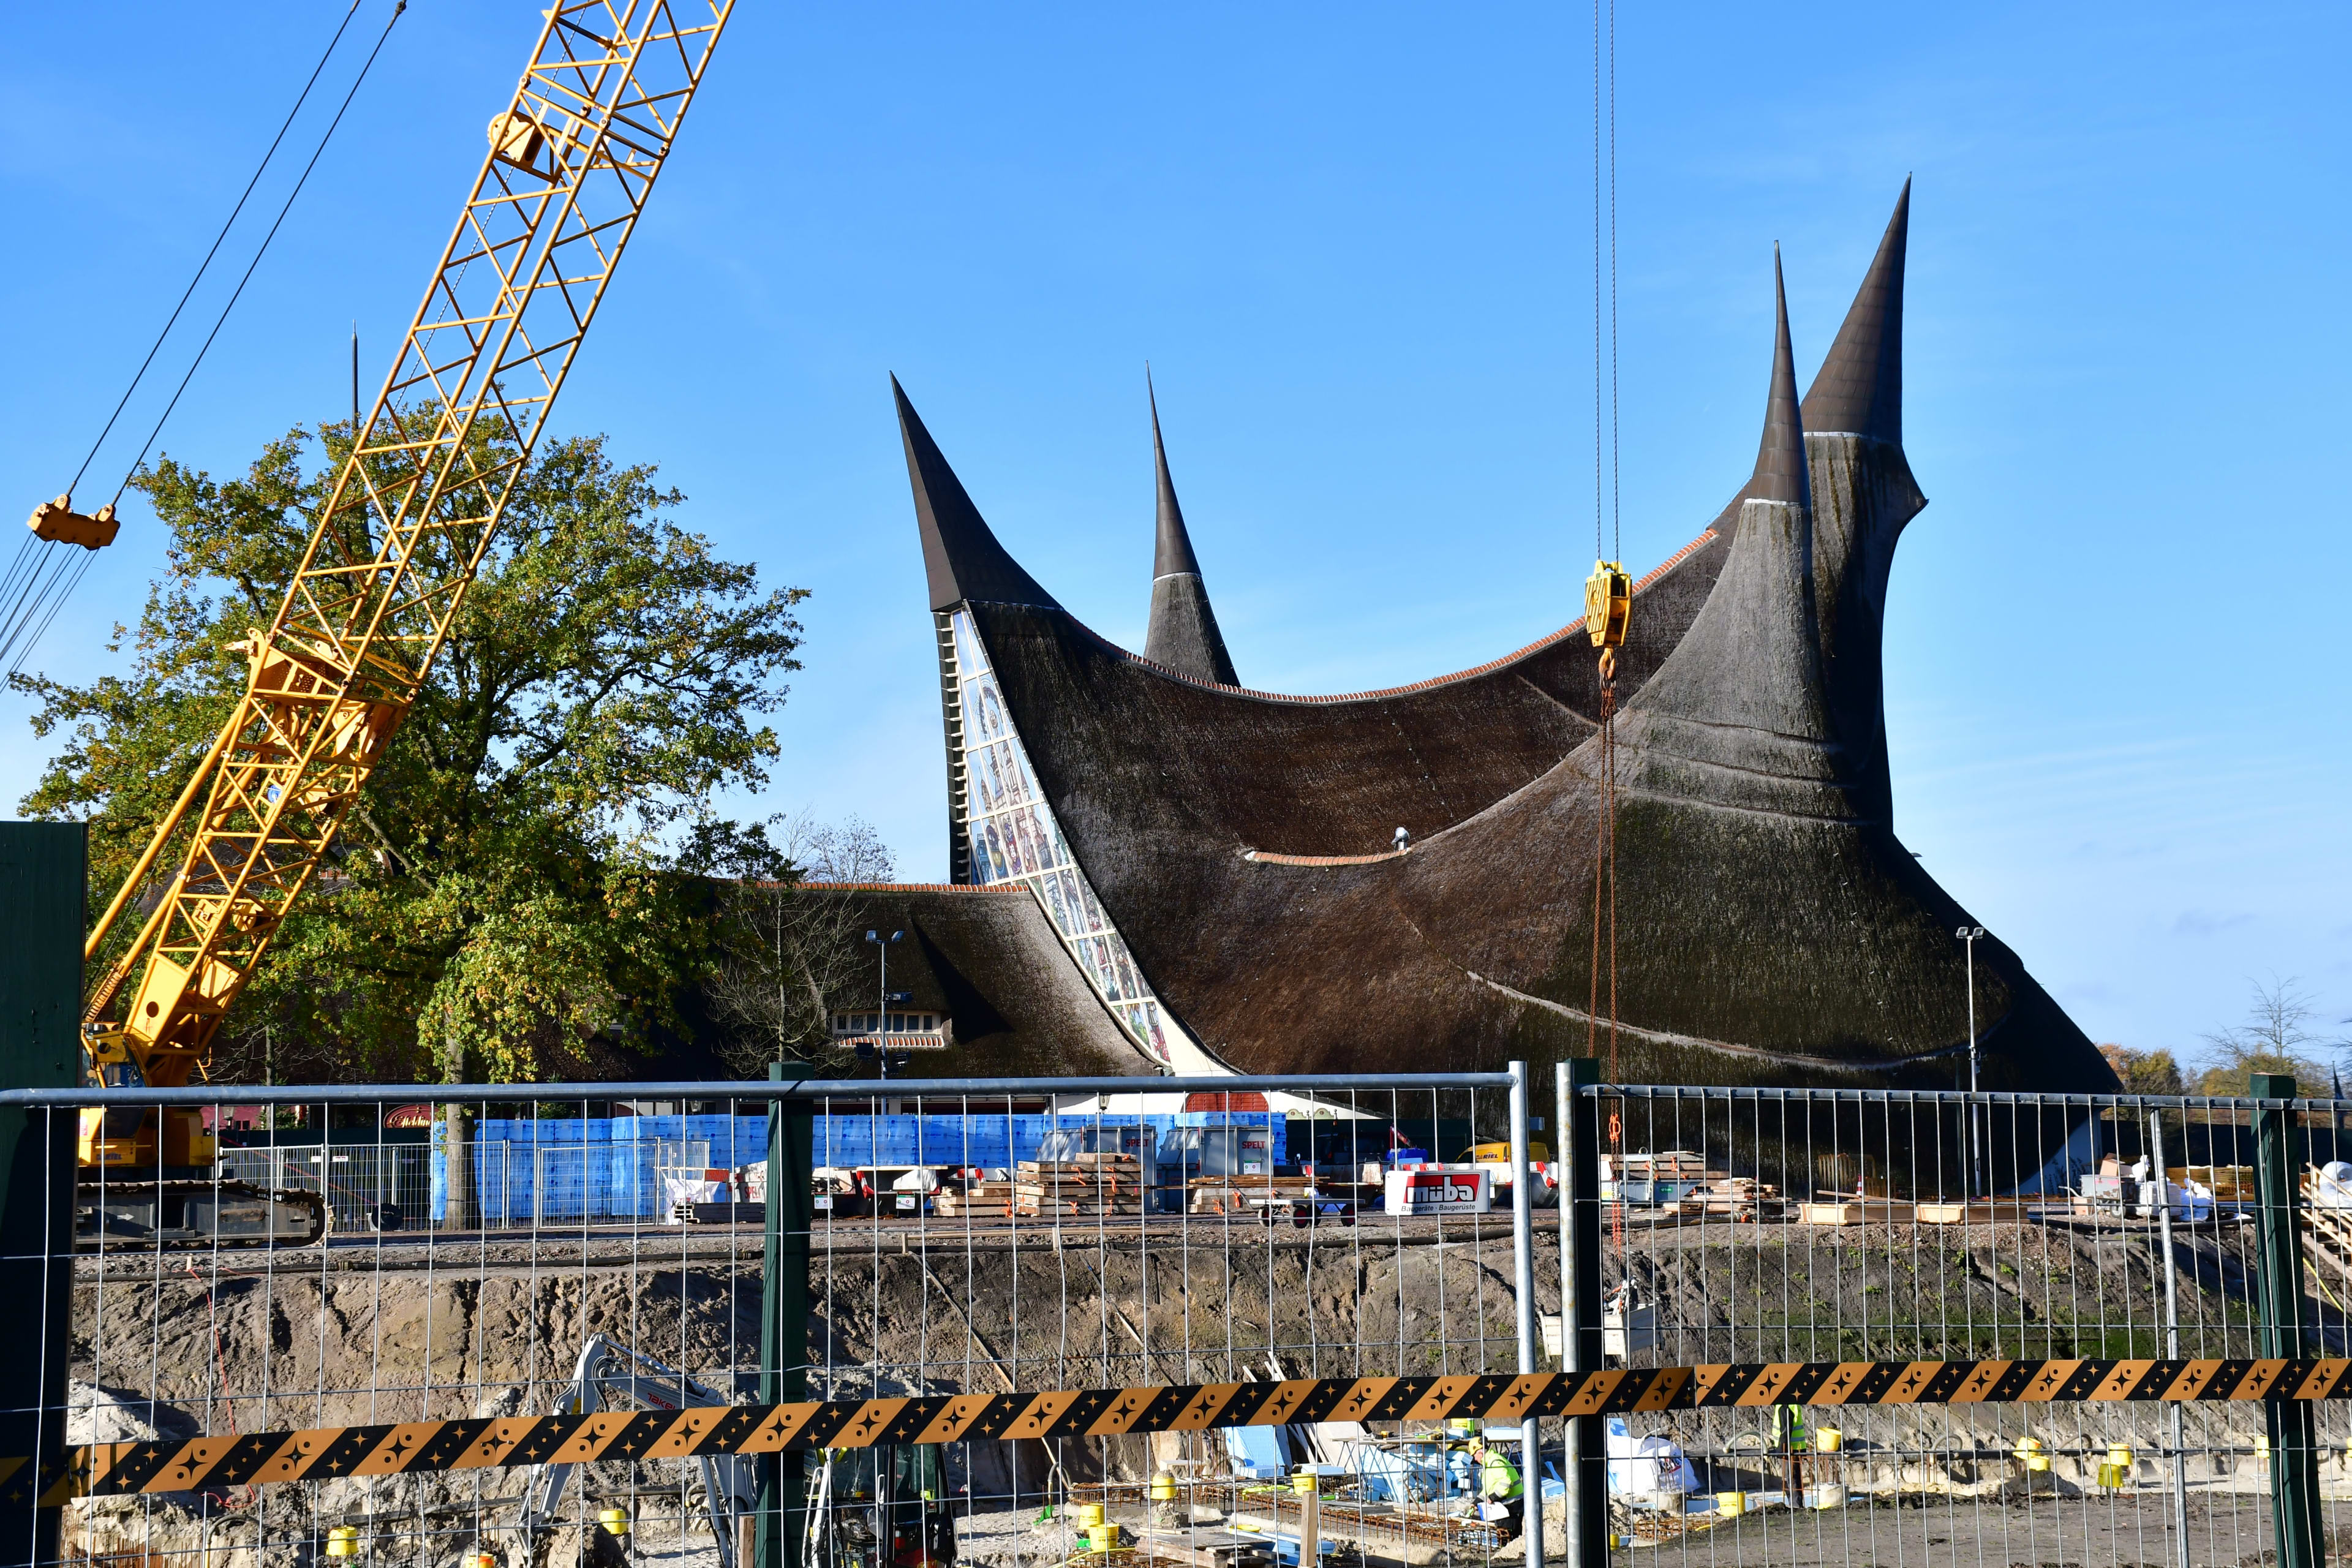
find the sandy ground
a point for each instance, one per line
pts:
(396, 1328)
(2224, 1532)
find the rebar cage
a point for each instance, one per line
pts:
(1224, 1323)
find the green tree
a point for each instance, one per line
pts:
(2145, 1072)
(2277, 1036)
(504, 894)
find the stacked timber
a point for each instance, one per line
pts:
(1669, 1166)
(1978, 1211)
(1857, 1208)
(1243, 1195)
(1084, 1184)
(1667, 1181)
(1738, 1198)
(984, 1199)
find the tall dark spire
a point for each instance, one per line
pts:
(961, 556)
(1859, 388)
(1173, 555)
(1738, 714)
(1182, 634)
(1781, 473)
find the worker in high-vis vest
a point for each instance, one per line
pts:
(1501, 1488)
(1790, 1437)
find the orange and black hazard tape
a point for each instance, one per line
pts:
(116, 1469)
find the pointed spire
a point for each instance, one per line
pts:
(1174, 551)
(1182, 633)
(1738, 714)
(1860, 387)
(1780, 470)
(961, 556)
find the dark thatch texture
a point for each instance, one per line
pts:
(988, 958)
(1770, 929)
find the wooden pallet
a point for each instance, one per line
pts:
(1978, 1211)
(1840, 1209)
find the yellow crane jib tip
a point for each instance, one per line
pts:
(56, 521)
(1608, 603)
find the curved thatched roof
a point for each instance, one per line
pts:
(1771, 928)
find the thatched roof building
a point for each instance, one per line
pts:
(1219, 861)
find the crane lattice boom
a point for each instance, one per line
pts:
(411, 513)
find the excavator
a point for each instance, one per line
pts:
(572, 159)
(611, 1376)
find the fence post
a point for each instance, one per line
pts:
(783, 1322)
(1523, 1283)
(2295, 1462)
(42, 871)
(2171, 1279)
(1580, 1312)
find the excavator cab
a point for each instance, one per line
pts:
(883, 1507)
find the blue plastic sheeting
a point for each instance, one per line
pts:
(996, 1142)
(1262, 1452)
(592, 1168)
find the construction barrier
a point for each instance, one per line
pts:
(423, 1447)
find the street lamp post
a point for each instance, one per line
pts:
(1967, 936)
(882, 998)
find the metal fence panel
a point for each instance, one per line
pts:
(1893, 1234)
(1007, 1248)
(1860, 1327)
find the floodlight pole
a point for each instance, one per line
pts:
(882, 999)
(1968, 935)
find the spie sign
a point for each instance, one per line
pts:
(1439, 1189)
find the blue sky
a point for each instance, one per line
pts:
(1354, 243)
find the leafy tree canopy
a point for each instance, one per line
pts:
(2145, 1072)
(504, 894)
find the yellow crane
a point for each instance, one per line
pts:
(572, 159)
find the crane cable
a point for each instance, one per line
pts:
(22, 581)
(37, 585)
(1608, 593)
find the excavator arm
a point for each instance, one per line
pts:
(600, 1383)
(571, 162)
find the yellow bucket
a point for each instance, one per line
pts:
(1827, 1439)
(615, 1521)
(2118, 1454)
(1163, 1488)
(1102, 1538)
(1731, 1505)
(2028, 1454)
(343, 1541)
(1090, 1514)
